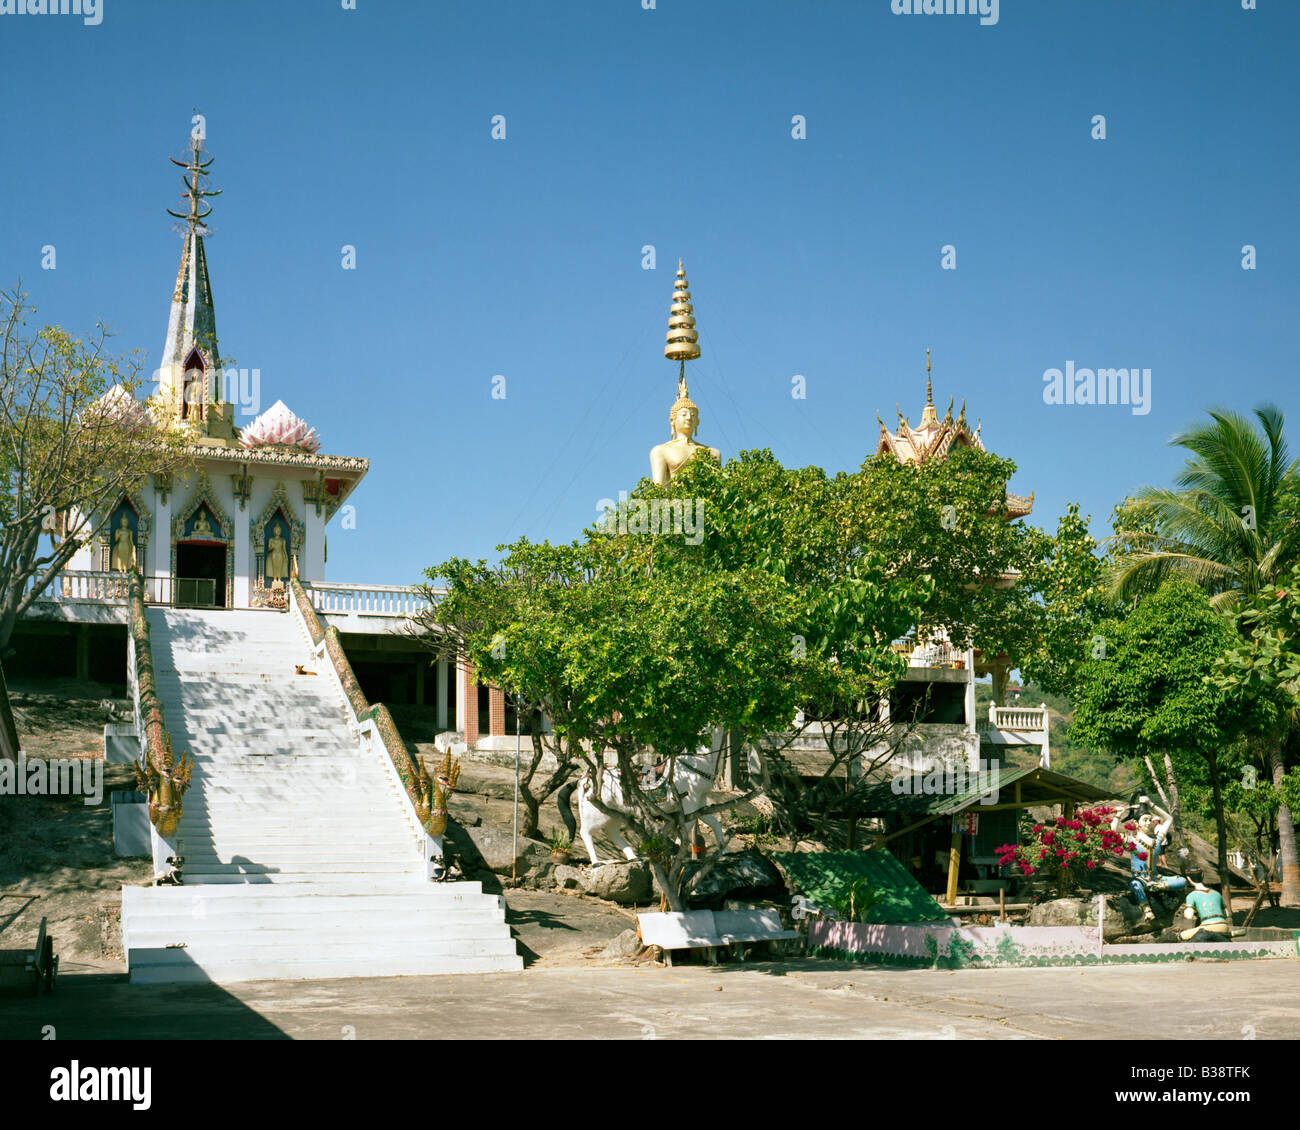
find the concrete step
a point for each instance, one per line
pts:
(409, 931)
(382, 887)
(330, 816)
(289, 944)
(242, 808)
(145, 970)
(243, 914)
(213, 872)
(349, 857)
(225, 761)
(289, 878)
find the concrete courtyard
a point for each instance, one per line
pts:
(803, 999)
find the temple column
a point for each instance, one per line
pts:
(159, 560)
(971, 720)
(496, 712)
(243, 551)
(442, 694)
(467, 705)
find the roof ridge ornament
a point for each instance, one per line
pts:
(195, 193)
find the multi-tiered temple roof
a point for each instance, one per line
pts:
(935, 439)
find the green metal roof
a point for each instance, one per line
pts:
(905, 899)
(917, 794)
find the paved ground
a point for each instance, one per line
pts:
(799, 999)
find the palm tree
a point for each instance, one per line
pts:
(1228, 527)
(1232, 527)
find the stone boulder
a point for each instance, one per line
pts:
(624, 883)
(625, 945)
(1123, 916)
(745, 875)
(496, 847)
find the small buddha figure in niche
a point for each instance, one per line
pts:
(202, 528)
(684, 420)
(277, 557)
(122, 559)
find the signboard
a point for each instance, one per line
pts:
(967, 823)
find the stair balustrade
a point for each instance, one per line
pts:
(397, 601)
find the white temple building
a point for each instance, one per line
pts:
(256, 506)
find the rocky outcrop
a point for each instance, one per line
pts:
(627, 884)
(626, 945)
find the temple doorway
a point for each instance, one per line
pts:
(200, 575)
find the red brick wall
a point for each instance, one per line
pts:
(496, 712)
(470, 722)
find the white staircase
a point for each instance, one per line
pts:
(301, 860)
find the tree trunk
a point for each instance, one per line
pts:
(669, 889)
(1221, 830)
(528, 825)
(1175, 805)
(1155, 780)
(1285, 833)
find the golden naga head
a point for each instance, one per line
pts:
(165, 787)
(432, 793)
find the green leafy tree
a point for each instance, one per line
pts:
(1149, 695)
(68, 452)
(845, 611)
(1070, 582)
(1232, 526)
(945, 520)
(1263, 664)
(626, 661)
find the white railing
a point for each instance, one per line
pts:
(1020, 718)
(937, 654)
(86, 586)
(332, 598)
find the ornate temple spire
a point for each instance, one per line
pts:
(193, 322)
(189, 370)
(929, 418)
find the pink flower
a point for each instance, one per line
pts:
(1091, 865)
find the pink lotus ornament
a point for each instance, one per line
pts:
(279, 427)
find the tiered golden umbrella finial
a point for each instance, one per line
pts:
(683, 341)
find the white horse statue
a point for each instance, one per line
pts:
(682, 784)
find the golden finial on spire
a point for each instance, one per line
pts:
(683, 342)
(929, 417)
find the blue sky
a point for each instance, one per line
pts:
(672, 127)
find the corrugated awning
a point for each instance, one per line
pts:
(935, 794)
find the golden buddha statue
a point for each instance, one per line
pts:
(683, 344)
(277, 557)
(684, 421)
(202, 528)
(122, 559)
